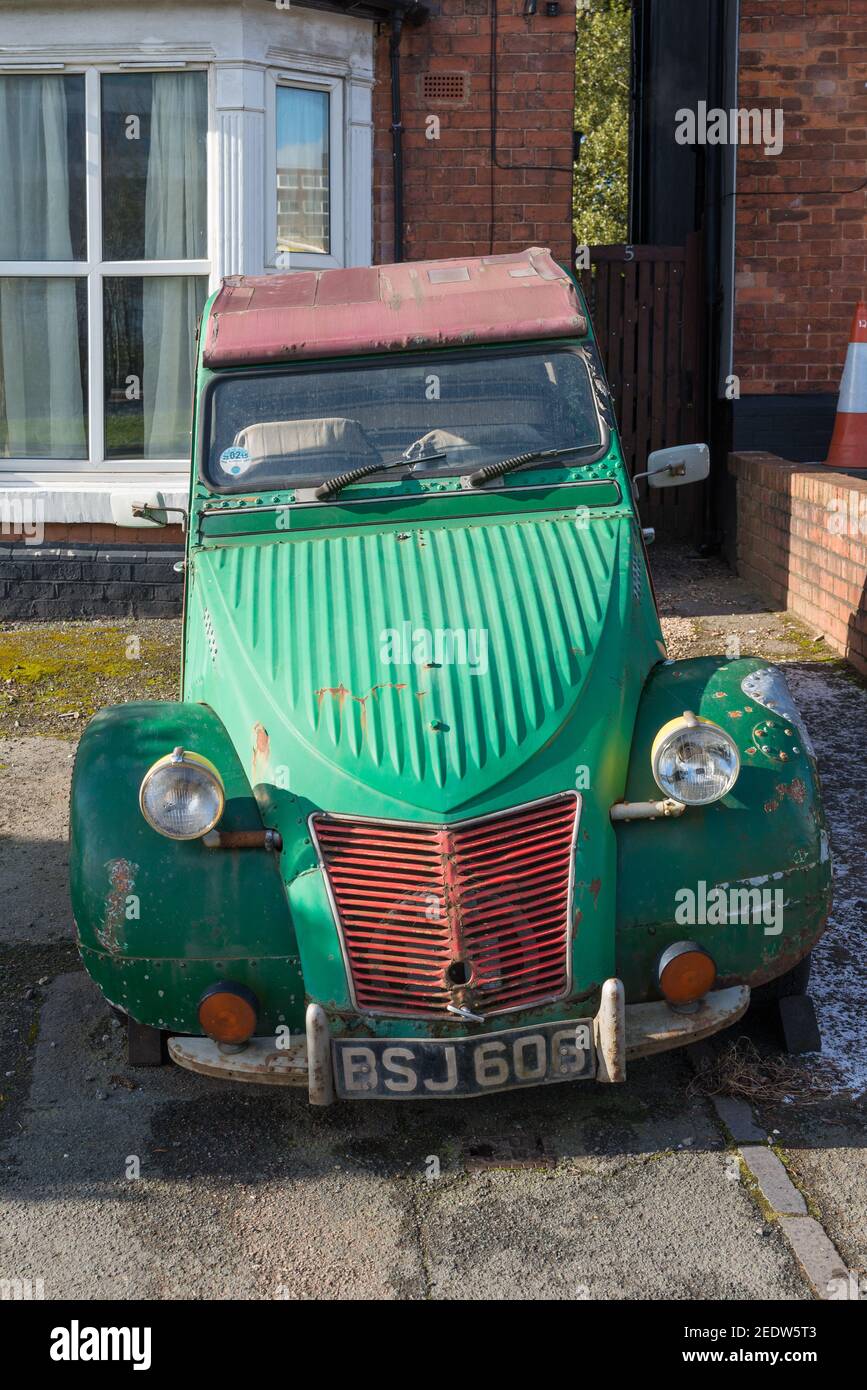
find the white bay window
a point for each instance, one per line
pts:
(103, 263)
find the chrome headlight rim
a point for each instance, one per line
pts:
(183, 757)
(696, 725)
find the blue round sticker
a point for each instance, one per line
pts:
(235, 460)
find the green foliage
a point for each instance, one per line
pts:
(602, 78)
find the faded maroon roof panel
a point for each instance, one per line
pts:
(482, 299)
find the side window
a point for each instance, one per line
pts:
(306, 175)
(303, 171)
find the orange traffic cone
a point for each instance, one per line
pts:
(849, 445)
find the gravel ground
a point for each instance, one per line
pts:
(706, 610)
(588, 1184)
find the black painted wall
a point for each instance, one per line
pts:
(89, 581)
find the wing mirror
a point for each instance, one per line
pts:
(686, 463)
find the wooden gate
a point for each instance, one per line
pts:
(647, 304)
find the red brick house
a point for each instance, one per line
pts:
(497, 174)
(801, 268)
(335, 133)
(783, 227)
(802, 218)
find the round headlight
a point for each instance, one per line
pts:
(694, 761)
(182, 796)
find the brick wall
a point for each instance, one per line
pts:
(448, 186)
(790, 518)
(82, 571)
(802, 238)
(79, 533)
(95, 580)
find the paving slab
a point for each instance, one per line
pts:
(774, 1182)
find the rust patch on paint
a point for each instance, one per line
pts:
(341, 695)
(795, 790)
(261, 751)
(121, 876)
(595, 888)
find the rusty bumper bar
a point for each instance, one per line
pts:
(654, 1028)
(270, 1061)
(627, 1031)
(622, 1032)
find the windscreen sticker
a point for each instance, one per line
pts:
(235, 460)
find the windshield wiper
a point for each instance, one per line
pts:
(497, 470)
(332, 487)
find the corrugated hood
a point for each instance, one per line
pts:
(424, 667)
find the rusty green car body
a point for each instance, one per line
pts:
(443, 865)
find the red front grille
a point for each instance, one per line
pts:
(474, 914)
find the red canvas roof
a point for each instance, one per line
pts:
(386, 308)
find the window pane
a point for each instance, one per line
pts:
(43, 368)
(150, 328)
(154, 166)
(42, 193)
(303, 212)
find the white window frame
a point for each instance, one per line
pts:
(94, 270)
(337, 135)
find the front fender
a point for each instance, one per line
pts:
(158, 920)
(768, 837)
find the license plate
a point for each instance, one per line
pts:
(431, 1068)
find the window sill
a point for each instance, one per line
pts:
(81, 498)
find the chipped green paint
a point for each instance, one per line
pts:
(286, 691)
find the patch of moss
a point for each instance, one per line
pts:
(814, 648)
(755, 1192)
(48, 672)
(794, 1178)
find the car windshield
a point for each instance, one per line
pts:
(441, 415)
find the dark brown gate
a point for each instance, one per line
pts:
(647, 305)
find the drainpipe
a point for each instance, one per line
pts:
(396, 131)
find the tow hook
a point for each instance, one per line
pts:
(466, 1014)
